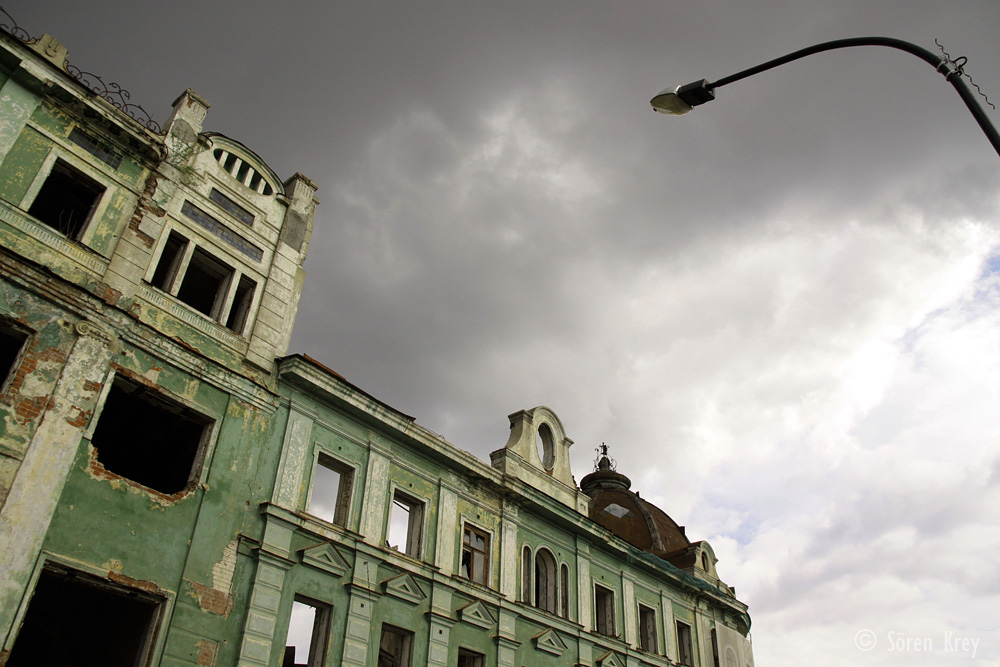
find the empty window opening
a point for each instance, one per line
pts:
(395, 649)
(75, 619)
(148, 438)
(308, 629)
(170, 259)
(405, 523)
(229, 160)
(545, 581)
(467, 658)
(66, 199)
(475, 554)
(684, 644)
(240, 309)
(715, 646)
(205, 283)
(526, 575)
(604, 606)
(330, 497)
(564, 591)
(647, 629)
(12, 342)
(704, 562)
(546, 454)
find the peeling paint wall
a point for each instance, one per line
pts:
(92, 318)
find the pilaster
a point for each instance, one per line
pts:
(34, 494)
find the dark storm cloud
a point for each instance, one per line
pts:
(759, 306)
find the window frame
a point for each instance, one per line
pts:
(234, 312)
(97, 209)
(604, 596)
(150, 647)
(206, 447)
(685, 644)
(319, 641)
(546, 599)
(405, 656)
(473, 658)
(345, 488)
(488, 539)
(648, 639)
(416, 516)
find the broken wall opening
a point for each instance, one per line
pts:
(66, 199)
(75, 619)
(146, 437)
(12, 340)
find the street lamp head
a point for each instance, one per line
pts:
(682, 99)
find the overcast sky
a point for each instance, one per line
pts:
(781, 311)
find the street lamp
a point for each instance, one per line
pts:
(680, 100)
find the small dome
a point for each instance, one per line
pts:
(628, 516)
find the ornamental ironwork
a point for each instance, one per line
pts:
(112, 93)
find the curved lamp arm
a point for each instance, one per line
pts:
(680, 100)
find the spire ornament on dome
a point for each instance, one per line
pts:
(603, 461)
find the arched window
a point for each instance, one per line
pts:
(526, 575)
(545, 581)
(704, 561)
(564, 591)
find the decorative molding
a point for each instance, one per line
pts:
(404, 587)
(201, 322)
(610, 659)
(87, 259)
(550, 642)
(325, 556)
(477, 613)
(98, 331)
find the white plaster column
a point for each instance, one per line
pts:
(32, 500)
(447, 522)
(507, 645)
(585, 588)
(669, 635)
(360, 608)
(628, 602)
(262, 613)
(510, 560)
(439, 627)
(295, 459)
(376, 492)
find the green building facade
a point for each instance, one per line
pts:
(176, 491)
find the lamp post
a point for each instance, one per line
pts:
(680, 100)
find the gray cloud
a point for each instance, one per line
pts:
(779, 310)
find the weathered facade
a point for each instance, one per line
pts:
(205, 503)
(148, 280)
(404, 550)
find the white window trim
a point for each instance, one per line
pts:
(490, 548)
(57, 153)
(318, 451)
(197, 241)
(407, 491)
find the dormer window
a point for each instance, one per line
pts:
(243, 172)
